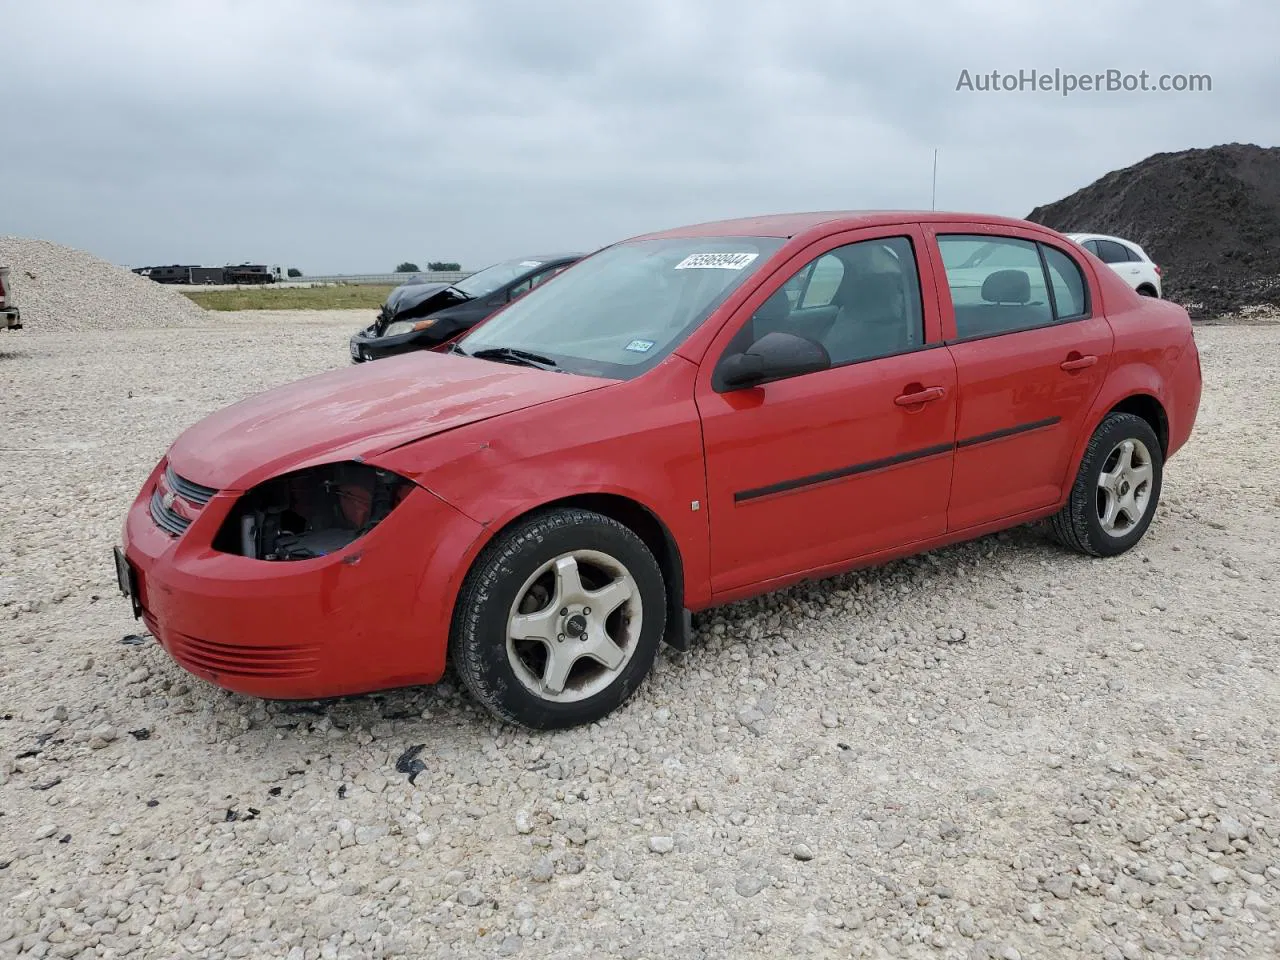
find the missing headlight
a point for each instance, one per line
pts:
(310, 513)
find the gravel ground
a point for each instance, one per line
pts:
(997, 750)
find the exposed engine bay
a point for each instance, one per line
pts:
(310, 513)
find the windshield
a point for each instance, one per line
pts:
(618, 313)
(491, 278)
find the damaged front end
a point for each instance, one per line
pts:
(311, 512)
(413, 301)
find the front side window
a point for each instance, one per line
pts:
(860, 301)
(541, 278)
(619, 312)
(528, 283)
(822, 281)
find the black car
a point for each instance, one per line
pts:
(419, 315)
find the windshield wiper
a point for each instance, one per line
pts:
(522, 358)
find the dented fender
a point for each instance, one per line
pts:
(498, 470)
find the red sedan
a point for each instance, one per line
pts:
(679, 420)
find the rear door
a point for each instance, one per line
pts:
(1031, 349)
(820, 469)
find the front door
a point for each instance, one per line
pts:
(1031, 350)
(818, 470)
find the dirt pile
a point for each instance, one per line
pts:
(1210, 218)
(65, 290)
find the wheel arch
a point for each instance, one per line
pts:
(1135, 389)
(640, 520)
(1148, 288)
(1150, 409)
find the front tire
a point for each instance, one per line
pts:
(1116, 490)
(559, 620)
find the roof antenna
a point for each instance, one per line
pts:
(933, 202)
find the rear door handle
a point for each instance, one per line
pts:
(1075, 361)
(920, 396)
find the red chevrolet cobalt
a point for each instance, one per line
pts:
(679, 420)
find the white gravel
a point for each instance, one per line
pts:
(58, 288)
(999, 750)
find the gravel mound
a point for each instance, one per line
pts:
(1210, 218)
(61, 289)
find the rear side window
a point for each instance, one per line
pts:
(1006, 284)
(997, 284)
(1111, 252)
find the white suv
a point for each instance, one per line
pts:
(1124, 257)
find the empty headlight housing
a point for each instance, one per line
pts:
(311, 512)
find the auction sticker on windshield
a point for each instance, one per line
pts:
(716, 261)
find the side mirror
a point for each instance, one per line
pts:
(775, 356)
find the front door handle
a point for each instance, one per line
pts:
(1075, 362)
(918, 397)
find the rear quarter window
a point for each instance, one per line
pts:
(1070, 293)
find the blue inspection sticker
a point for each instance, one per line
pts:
(639, 346)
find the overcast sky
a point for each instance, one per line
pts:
(347, 136)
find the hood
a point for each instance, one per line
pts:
(412, 300)
(358, 411)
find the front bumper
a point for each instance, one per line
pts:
(366, 345)
(371, 616)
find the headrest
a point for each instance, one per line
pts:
(879, 288)
(1007, 286)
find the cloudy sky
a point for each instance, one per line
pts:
(346, 136)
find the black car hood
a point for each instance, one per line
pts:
(412, 300)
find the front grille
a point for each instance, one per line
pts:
(165, 518)
(242, 660)
(170, 486)
(193, 492)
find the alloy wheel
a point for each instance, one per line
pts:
(574, 626)
(1124, 487)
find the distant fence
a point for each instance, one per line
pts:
(428, 276)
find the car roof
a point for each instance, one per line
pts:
(786, 225)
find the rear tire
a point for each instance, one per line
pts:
(1116, 489)
(559, 619)
(1147, 291)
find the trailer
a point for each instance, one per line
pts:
(192, 274)
(10, 318)
(250, 273)
(173, 273)
(206, 275)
